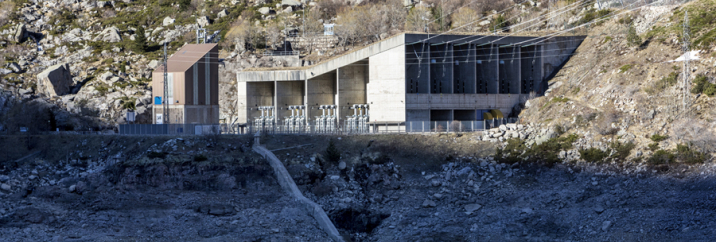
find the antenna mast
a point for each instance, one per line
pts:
(687, 57)
(165, 105)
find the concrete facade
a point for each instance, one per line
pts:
(405, 78)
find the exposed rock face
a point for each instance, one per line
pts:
(292, 3)
(110, 34)
(264, 10)
(203, 21)
(20, 33)
(222, 14)
(55, 80)
(168, 21)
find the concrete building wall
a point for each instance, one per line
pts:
(201, 114)
(242, 102)
(555, 52)
(417, 68)
(531, 69)
(464, 69)
(509, 70)
(386, 86)
(416, 115)
(503, 102)
(288, 93)
(258, 94)
(352, 80)
(320, 90)
(487, 68)
(441, 69)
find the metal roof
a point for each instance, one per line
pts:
(185, 57)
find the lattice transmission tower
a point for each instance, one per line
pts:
(687, 57)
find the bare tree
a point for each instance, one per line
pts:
(273, 34)
(466, 20)
(418, 19)
(6, 10)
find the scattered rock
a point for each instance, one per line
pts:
(606, 225)
(428, 203)
(292, 3)
(73, 188)
(203, 21)
(6, 187)
(598, 208)
(110, 34)
(264, 10)
(20, 33)
(472, 207)
(342, 165)
(222, 13)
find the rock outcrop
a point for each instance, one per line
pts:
(55, 80)
(110, 34)
(20, 33)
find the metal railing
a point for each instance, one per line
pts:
(281, 53)
(312, 129)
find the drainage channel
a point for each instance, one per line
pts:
(284, 179)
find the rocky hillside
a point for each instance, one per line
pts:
(620, 97)
(88, 62)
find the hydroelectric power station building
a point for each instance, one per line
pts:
(405, 78)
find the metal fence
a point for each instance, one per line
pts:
(280, 53)
(313, 129)
(177, 129)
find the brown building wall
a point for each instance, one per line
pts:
(184, 89)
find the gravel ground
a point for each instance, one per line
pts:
(376, 196)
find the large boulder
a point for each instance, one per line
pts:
(292, 3)
(203, 21)
(264, 10)
(222, 14)
(168, 21)
(20, 33)
(110, 34)
(55, 80)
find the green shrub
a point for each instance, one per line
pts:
(140, 41)
(633, 38)
(658, 137)
(593, 154)
(702, 85)
(663, 83)
(332, 153)
(625, 68)
(512, 152)
(547, 151)
(622, 150)
(102, 88)
(684, 153)
(654, 146)
(661, 157)
(592, 14)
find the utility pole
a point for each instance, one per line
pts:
(687, 57)
(165, 105)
